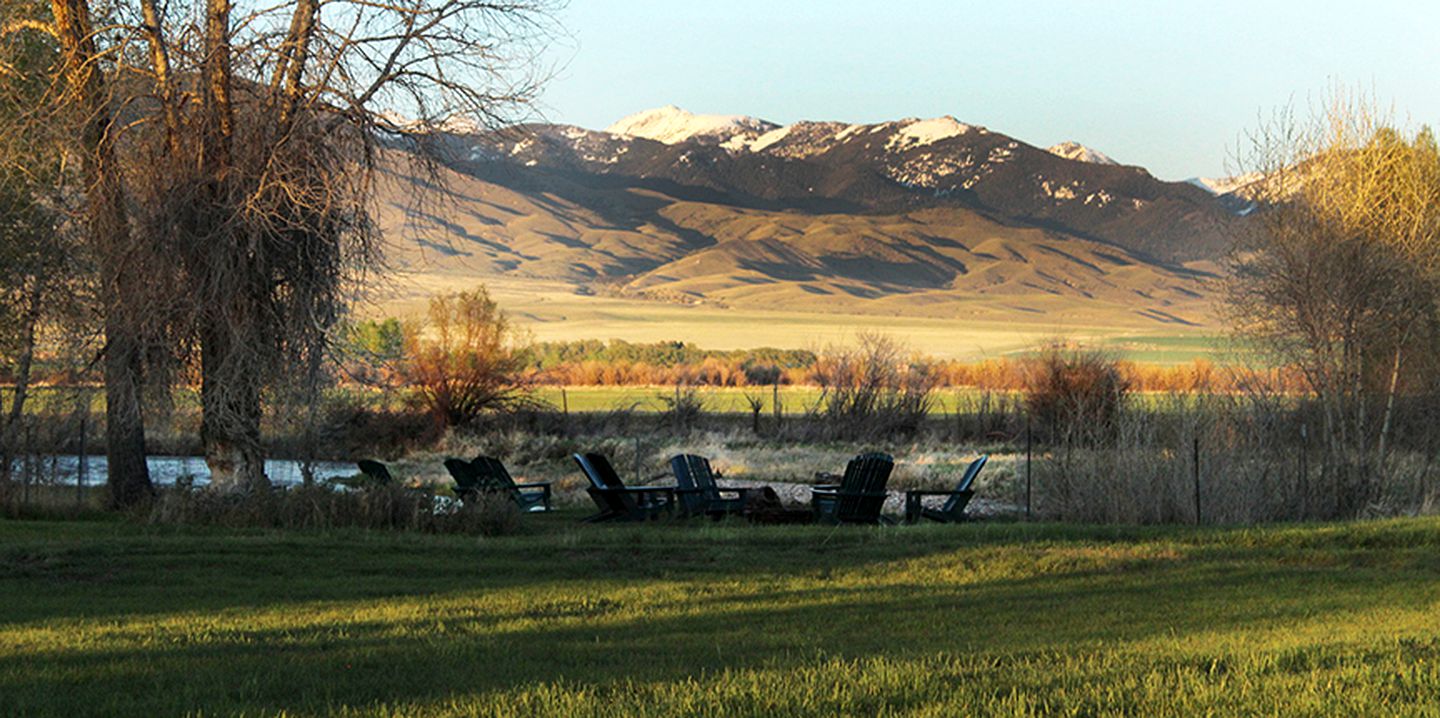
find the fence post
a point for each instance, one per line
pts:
(1195, 469)
(564, 403)
(1029, 442)
(83, 460)
(1305, 464)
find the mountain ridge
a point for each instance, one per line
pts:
(904, 216)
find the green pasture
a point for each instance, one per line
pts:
(113, 618)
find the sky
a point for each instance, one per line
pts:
(1171, 86)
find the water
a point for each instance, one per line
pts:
(164, 470)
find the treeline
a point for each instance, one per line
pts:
(621, 363)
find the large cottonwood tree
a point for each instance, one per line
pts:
(250, 136)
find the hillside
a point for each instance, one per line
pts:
(914, 217)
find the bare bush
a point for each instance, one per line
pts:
(876, 388)
(1076, 395)
(684, 409)
(468, 360)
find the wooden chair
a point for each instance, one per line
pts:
(618, 502)
(953, 511)
(860, 495)
(697, 491)
(492, 476)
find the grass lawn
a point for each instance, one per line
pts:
(109, 618)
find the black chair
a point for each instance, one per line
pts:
(618, 502)
(375, 471)
(860, 495)
(697, 491)
(467, 478)
(492, 476)
(953, 511)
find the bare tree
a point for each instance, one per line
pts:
(81, 104)
(1339, 276)
(269, 203)
(229, 154)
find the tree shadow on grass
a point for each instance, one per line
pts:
(606, 634)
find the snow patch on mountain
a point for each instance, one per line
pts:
(671, 125)
(918, 133)
(1224, 185)
(769, 138)
(1080, 153)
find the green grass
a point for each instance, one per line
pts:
(107, 618)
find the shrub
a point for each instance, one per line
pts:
(324, 506)
(878, 388)
(468, 360)
(684, 409)
(1076, 394)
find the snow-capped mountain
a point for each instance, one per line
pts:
(671, 125)
(909, 215)
(892, 166)
(1080, 153)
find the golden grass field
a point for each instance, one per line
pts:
(554, 311)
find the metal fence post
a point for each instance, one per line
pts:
(1029, 442)
(1195, 469)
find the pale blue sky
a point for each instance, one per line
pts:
(1167, 85)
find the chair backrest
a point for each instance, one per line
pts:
(377, 471)
(466, 478)
(862, 488)
(693, 472)
(971, 471)
(604, 473)
(605, 485)
(493, 476)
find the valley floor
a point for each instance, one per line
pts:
(113, 618)
(554, 311)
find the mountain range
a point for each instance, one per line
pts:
(925, 217)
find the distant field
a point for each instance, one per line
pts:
(552, 311)
(707, 619)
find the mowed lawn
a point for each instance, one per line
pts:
(111, 618)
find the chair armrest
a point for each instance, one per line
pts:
(860, 494)
(647, 489)
(545, 491)
(742, 490)
(927, 492)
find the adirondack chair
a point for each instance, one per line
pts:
(954, 509)
(375, 471)
(859, 496)
(618, 502)
(492, 476)
(467, 478)
(697, 491)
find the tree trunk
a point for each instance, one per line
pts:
(22, 375)
(128, 475)
(229, 381)
(1387, 422)
(230, 423)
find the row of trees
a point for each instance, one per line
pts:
(213, 164)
